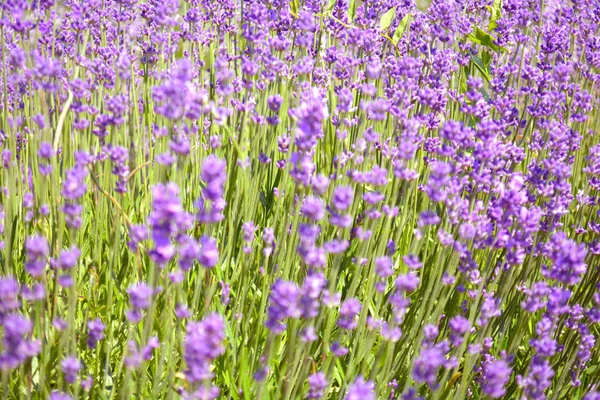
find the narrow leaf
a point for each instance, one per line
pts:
(351, 10)
(330, 6)
(404, 23)
(423, 5)
(478, 62)
(486, 58)
(387, 18)
(496, 11)
(483, 38)
(295, 7)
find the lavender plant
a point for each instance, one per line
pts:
(305, 199)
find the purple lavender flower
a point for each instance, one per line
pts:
(274, 102)
(70, 367)
(384, 267)
(74, 185)
(37, 251)
(269, 240)
(17, 346)
(137, 356)
(284, 302)
(407, 282)
(166, 221)
(209, 253)
(361, 390)
(349, 310)
(214, 174)
(95, 332)
(119, 157)
(60, 396)
(248, 229)
(9, 292)
(203, 344)
(343, 197)
(317, 383)
(459, 326)
(313, 208)
(87, 383)
(538, 379)
(412, 261)
(68, 258)
(188, 251)
(495, 377)
(310, 293)
(427, 365)
(568, 260)
(139, 299)
(174, 97)
(338, 349)
(430, 333)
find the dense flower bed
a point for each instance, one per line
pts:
(274, 199)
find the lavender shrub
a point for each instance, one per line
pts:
(299, 199)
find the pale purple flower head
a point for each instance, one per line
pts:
(209, 253)
(343, 196)
(95, 332)
(384, 267)
(317, 383)
(361, 390)
(495, 377)
(70, 367)
(55, 395)
(68, 258)
(407, 282)
(567, 260)
(203, 344)
(459, 326)
(9, 292)
(137, 356)
(214, 174)
(313, 208)
(17, 345)
(140, 296)
(284, 302)
(349, 311)
(37, 251)
(427, 365)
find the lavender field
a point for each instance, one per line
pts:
(300, 199)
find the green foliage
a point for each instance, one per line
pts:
(295, 7)
(402, 27)
(481, 37)
(387, 18)
(351, 10)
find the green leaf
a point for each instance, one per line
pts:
(486, 58)
(339, 374)
(179, 52)
(423, 5)
(496, 11)
(351, 10)
(404, 23)
(387, 18)
(481, 37)
(591, 370)
(330, 6)
(295, 7)
(478, 62)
